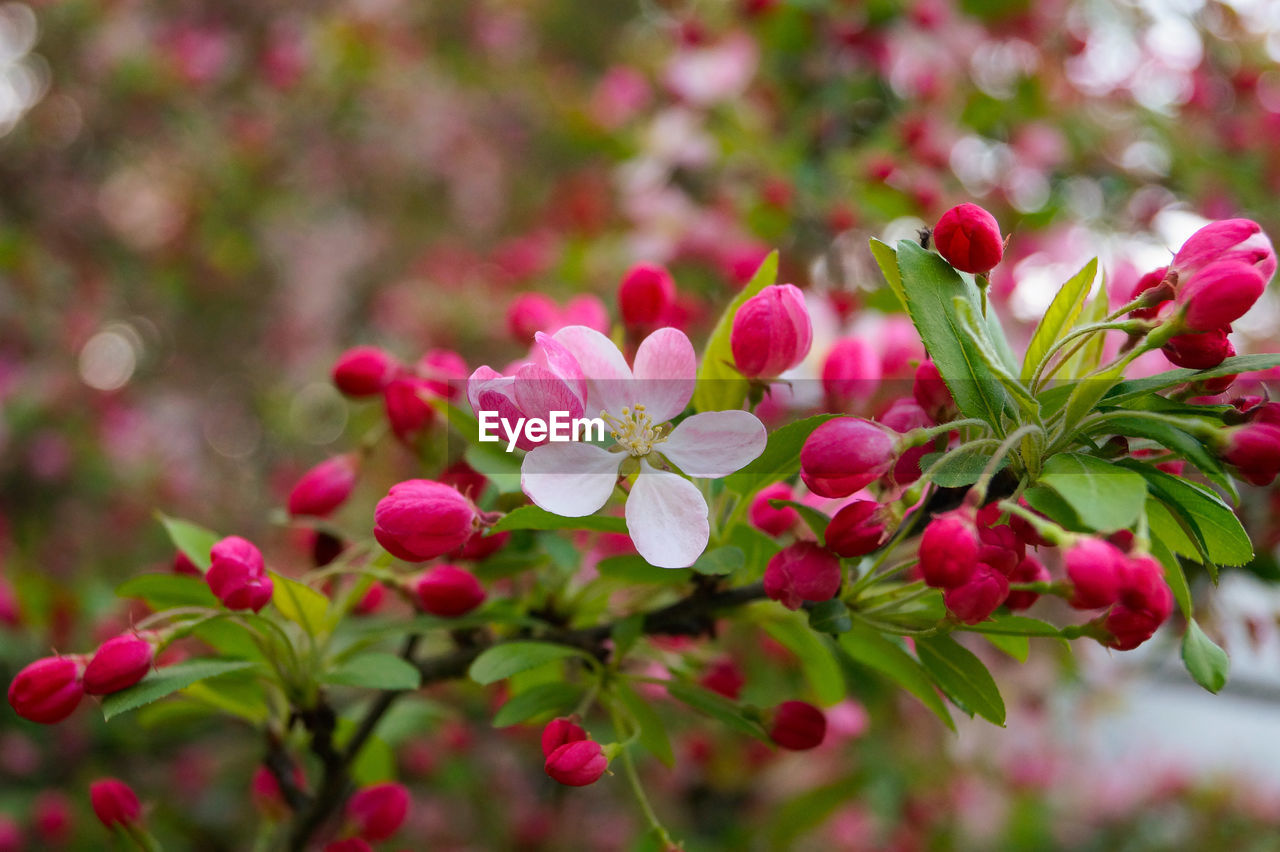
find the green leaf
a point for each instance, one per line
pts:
(302, 605)
(830, 617)
(543, 700)
(1207, 520)
(1015, 625)
(375, 670)
(195, 541)
(962, 677)
(780, 459)
(535, 518)
(815, 520)
(166, 681)
(960, 467)
(720, 386)
(1018, 647)
(1207, 663)
(931, 285)
(1059, 318)
(626, 633)
(1135, 388)
(817, 660)
(503, 660)
(1135, 425)
(631, 568)
(1089, 357)
(976, 331)
(1047, 502)
(653, 734)
(1173, 573)
(238, 696)
(1085, 394)
(887, 260)
(162, 591)
(718, 561)
(1105, 497)
(871, 648)
(716, 706)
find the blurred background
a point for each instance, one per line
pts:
(202, 204)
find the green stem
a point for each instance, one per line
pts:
(633, 778)
(978, 493)
(1084, 331)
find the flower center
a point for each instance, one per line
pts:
(634, 430)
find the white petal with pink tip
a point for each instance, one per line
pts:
(715, 443)
(667, 518)
(665, 369)
(570, 479)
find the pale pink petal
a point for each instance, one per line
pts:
(609, 382)
(715, 443)
(665, 369)
(560, 361)
(540, 392)
(486, 379)
(570, 479)
(667, 518)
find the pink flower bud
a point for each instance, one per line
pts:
(118, 663)
(1129, 627)
(1237, 240)
(1254, 450)
(447, 591)
(975, 599)
(586, 310)
(238, 576)
(724, 677)
(1199, 351)
(349, 844)
(949, 549)
(801, 572)
(1151, 281)
(377, 812)
(444, 372)
(114, 802)
(771, 332)
(968, 238)
(768, 519)
(52, 818)
(646, 295)
(372, 600)
(364, 371)
(408, 410)
(530, 313)
(857, 529)
(1029, 570)
(797, 726)
(420, 520)
(1096, 570)
(560, 731)
(850, 372)
(182, 564)
(577, 764)
(1219, 294)
(846, 454)
(48, 690)
(324, 488)
(932, 393)
(903, 416)
(1143, 587)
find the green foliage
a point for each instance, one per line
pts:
(508, 658)
(166, 681)
(1206, 662)
(374, 670)
(1104, 497)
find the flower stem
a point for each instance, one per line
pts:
(637, 787)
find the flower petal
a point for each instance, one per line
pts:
(665, 368)
(568, 478)
(540, 392)
(560, 361)
(484, 380)
(715, 443)
(667, 519)
(606, 371)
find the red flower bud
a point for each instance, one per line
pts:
(48, 690)
(771, 332)
(1254, 450)
(447, 591)
(949, 549)
(349, 844)
(577, 764)
(1151, 281)
(1129, 628)
(406, 403)
(846, 454)
(1237, 240)
(238, 576)
(798, 726)
(372, 600)
(768, 519)
(646, 295)
(932, 393)
(1029, 570)
(377, 812)
(976, 598)
(857, 529)
(903, 416)
(182, 564)
(559, 732)
(443, 372)
(968, 238)
(1143, 586)
(52, 818)
(724, 677)
(1219, 294)
(420, 520)
(114, 802)
(851, 371)
(118, 664)
(324, 488)
(530, 313)
(1199, 351)
(364, 371)
(802, 572)
(1096, 570)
